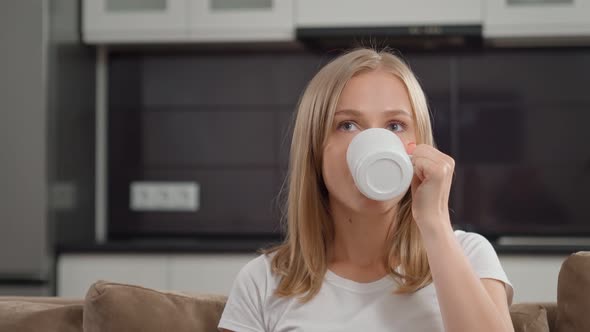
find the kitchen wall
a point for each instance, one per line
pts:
(23, 157)
(71, 126)
(221, 119)
(46, 140)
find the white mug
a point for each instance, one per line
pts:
(379, 164)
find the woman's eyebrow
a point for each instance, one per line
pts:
(386, 112)
(398, 112)
(348, 112)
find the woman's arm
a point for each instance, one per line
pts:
(467, 303)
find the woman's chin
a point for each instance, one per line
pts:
(371, 206)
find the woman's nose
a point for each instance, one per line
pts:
(410, 146)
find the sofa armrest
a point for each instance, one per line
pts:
(551, 308)
(531, 317)
(573, 293)
(40, 314)
(42, 299)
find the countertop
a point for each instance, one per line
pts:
(252, 245)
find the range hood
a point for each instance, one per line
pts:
(408, 37)
(422, 24)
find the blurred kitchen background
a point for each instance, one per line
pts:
(146, 141)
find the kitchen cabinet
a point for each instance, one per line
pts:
(386, 13)
(76, 272)
(131, 21)
(536, 18)
(206, 273)
(184, 21)
(241, 20)
(191, 272)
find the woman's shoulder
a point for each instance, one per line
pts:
(483, 258)
(256, 265)
(479, 250)
(258, 270)
(471, 241)
(468, 236)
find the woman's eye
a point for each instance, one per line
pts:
(347, 126)
(396, 126)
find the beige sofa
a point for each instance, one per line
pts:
(119, 307)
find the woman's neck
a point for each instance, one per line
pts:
(359, 239)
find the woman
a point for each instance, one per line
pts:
(354, 264)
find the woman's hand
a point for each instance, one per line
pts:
(431, 185)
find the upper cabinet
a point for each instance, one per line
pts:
(536, 18)
(129, 21)
(155, 21)
(241, 20)
(386, 13)
(186, 21)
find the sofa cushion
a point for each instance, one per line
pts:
(528, 317)
(551, 308)
(120, 307)
(39, 314)
(573, 293)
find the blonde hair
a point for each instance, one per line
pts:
(301, 260)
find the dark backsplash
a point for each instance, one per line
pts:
(513, 119)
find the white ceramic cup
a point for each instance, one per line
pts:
(379, 164)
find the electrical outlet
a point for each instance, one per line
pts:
(164, 196)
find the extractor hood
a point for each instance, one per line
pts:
(413, 24)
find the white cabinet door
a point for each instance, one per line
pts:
(128, 21)
(241, 20)
(194, 273)
(534, 277)
(206, 273)
(379, 13)
(536, 18)
(76, 272)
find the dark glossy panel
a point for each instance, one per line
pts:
(286, 122)
(514, 120)
(245, 80)
(489, 131)
(290, 75)
(232, 201)
(524, 146)
(440, 119)
(526, 199)
(207, 80)
(529, 75)
(434, 75)
(124, 87)
(216, 138)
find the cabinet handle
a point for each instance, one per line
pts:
(539, 2)
(135, 5)
(240, 4)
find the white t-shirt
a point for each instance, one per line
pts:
(343, 304)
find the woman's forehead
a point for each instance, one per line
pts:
(375, 90)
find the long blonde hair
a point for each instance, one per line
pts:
(301, 260)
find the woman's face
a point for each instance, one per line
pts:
(374, 99)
